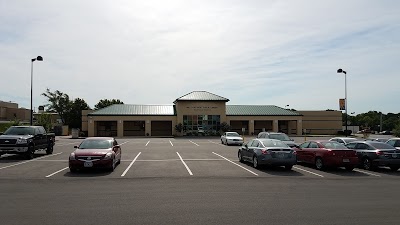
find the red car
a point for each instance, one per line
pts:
(327, 154)
(96, 152)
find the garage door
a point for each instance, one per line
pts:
(161, 128)
(107, 128)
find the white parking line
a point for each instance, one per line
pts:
(124, 143)
(67, 144)
(236, 164)
(360, 171)
(316, 174)
(56, 172)
(171, 143)
(217, 143)
(187, 168)
(193, 143)
(28, 161)
(147, 143)
(123, 174)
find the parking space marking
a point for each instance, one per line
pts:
(217, 143)
(29, 161)
(187, 168)
(67, 144)
(236, 164)
(130, 165)
(360, 171)
(147, 143)
(316, 174)
(56, 172)
(193, 143)
(171, 143)
(123, 143)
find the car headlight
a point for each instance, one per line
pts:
(108, 155)
(22, 141)
(72, 156)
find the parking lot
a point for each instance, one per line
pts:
(169, 157)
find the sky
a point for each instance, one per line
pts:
(252, 52)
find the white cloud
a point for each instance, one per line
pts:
(252, 52)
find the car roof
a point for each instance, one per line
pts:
(99, 138)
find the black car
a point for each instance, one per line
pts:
(372, 154)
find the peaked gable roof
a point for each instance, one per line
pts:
(201, 96)
(127, 109)
(258, 110)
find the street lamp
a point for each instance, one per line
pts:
(39, 58)
(345, 95)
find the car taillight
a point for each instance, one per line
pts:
(379, 153)
(264, 152)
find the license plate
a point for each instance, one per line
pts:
(346, 160)
(87, 164)
(281, 155)
(394, 155)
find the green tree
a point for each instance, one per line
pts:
(225, 127)
(107, 102)
(75, 113)
(69, 111)
(44, 120)
(396, 130)
(59, 103)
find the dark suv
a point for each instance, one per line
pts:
(278, 136)
(372, 154)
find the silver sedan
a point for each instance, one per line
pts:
(231, 138)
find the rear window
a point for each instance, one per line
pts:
(232, 134)
(281, 137)
(333, 145)
(274, 143)
(381, 145)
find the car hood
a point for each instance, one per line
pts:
(91, 152)
(13, 137)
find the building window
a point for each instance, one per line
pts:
(201, 124)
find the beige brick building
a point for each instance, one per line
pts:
(203, 113)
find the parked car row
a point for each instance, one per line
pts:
(336, 152)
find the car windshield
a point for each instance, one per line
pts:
(378, 145)
(333, 145)
(95, 144)
(347, 140)
(232, 134)
(20, 131)
(281, 137)
(274, 143)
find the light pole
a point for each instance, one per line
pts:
(345, 95)
(39, 58)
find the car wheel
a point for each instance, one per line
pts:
(240, 157)
(49, 149)
(349, 168)
(289, 167)
(394, 168)
(255, 162)
(226, 142)
(319, 164)
(112, 168)
(30, 153)
(367, 164)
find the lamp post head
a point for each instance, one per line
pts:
(39, 58)
(341, 71)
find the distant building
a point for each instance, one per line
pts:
(9, 111)
(201, 109)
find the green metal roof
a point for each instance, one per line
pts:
(126, 109)
(258, 110)
(201, 96)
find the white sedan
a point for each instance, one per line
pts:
(229, 138)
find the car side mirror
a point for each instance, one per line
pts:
(75, 146)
